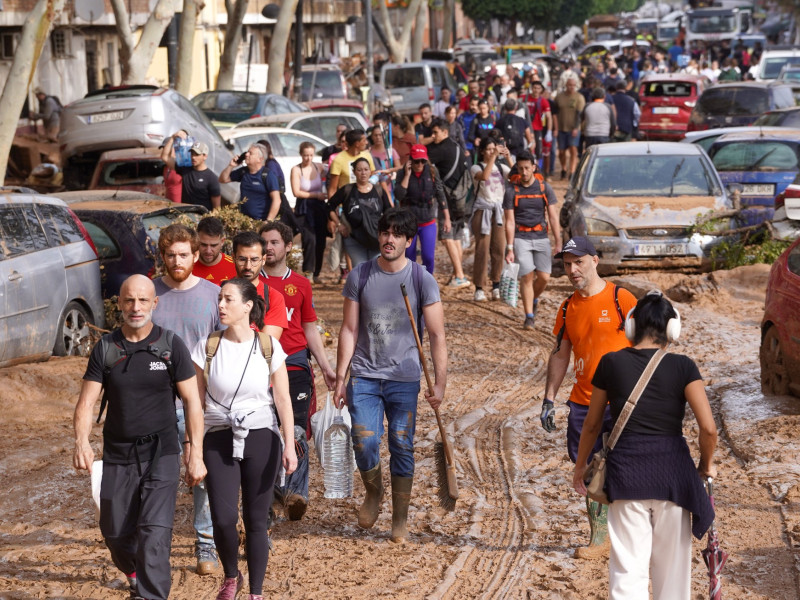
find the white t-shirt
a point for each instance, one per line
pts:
(491, 192)
(235, 362)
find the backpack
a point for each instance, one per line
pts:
(363, 220)
(460, 190)
(511, 133)
(114, 354)
(560, 335)
(212, 345)
(416, 276)
(285, 214)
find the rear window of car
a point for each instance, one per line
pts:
(236, 102)
(404, 77)
(327, 84)
(154, 223)
(132, 172)
(59, 224)
(727, 100)
(650, 175)
(773, 65)
(755, 156)
(18, 233)
(677, 89)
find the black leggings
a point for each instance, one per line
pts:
(255, 474)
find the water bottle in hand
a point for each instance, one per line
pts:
(338, 460)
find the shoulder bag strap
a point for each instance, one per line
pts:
(455, 164)
(634, 398)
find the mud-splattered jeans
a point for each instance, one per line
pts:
(368, 400)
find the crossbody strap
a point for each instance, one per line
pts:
(634, 398)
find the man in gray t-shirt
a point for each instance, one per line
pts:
(377, 344)
(189, 306)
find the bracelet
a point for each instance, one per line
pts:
(509, 247)
(187, 442)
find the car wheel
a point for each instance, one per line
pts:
(73, 336)
(774, 376)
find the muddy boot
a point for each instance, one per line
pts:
(373, 484)
(401, 496)
(599, 544)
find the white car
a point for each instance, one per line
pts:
(285, 145)
(321, 124)
(772, 63)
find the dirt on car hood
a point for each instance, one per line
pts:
(633, 210)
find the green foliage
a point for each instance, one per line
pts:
(759, 249)
(531, 12)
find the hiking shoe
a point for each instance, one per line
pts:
(496, 294)
(458, 282)
(206, 559)
(295, 506)
(563, 174)
(317, 279)
(480, 296)
(528, 323)
(231, 587)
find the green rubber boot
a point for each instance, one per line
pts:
(373, 486)
(599, 544)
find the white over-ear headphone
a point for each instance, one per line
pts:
(673, 325)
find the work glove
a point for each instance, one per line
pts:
(548, 137)
(548, 416)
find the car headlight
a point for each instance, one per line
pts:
(597, 227)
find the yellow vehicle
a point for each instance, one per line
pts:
(517, 49)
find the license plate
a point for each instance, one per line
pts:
(665, 110)
(397, 98)
(660, 249)
(758, 189)
(106, 117)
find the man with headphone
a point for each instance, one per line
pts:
(590, 323)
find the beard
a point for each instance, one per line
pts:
(148, 316)
(179, 276)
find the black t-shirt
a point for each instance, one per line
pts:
(529, 212)
(443, 156)
(480, 127)
(661, 407)
(140, 398)
(423, 130)
(198, 186)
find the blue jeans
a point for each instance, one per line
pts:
(202, 512)
(358, 253)
(368, 400)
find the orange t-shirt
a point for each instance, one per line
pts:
(593, 330)
(222, 271)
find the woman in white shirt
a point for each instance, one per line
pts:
(242, 444)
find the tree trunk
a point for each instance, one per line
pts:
(418, 41)
(183, 77)
(233, 39)
(447, 26)
(277, 47)
(34, 35)
(397, 47)
(135, 60)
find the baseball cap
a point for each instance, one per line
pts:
(578, 246)
(199, 148)
(418, 152)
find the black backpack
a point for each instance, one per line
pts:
(114, 354)
(362, 218)
(511, 132)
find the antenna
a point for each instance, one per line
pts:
(89, 10)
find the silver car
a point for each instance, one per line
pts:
(132, 117)
(638, 202)
(49, 279)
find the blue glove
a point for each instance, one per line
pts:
(548, 416)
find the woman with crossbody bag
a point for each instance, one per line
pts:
(243, 448)
(487, 218)
(656, 496)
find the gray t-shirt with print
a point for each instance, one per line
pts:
(385, 348)
(192, 314)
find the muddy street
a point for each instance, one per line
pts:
(517, 522)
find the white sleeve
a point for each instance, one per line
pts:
(199, 353)
(278, 356)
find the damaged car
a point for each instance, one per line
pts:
(639, 203)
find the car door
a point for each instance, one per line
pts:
(790, 301)
(35, 283)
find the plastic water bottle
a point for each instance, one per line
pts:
(182, 147)
(465, 238)
(338, 460)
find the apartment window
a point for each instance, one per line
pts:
(61, 42)
(8, 43)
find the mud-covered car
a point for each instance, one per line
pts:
(780, 328)
(639, 203)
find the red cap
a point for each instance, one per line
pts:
(418, 151)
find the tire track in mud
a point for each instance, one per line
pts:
(493, 566)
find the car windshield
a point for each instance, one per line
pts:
(650, 175)
(773, 66)
(132, 172)
(793, 75)
(728, 100)
(327, 84)
(153, 224)
(404, 77)
(235, 102)
(789, 118)
(677, 89)
(712, 23)
(751, 155)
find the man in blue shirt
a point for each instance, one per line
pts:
(259, 189)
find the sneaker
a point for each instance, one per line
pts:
(495, 293)
(528, 323)
(231, 587)
(206, 559)
(480, 296)
(295, 506)
(458, 282)
(563, 174)
(317, 279)
(133, 584)
(255, 597)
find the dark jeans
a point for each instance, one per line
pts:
(136, 517)
(591, 141)
(577, 415)
(255, 474)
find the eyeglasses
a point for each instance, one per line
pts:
(243, 260)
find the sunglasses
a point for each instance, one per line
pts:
(418, 161)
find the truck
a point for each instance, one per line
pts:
(716, 24)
